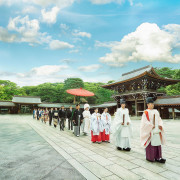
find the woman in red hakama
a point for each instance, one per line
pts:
(96, 127)
(106, 120)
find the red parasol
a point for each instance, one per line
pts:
(79, 92)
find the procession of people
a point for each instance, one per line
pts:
(100, 126)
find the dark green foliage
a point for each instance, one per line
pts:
(169, 73)
(73, 83)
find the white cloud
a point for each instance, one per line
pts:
(110, 1)
(81, 34)
(90, 68)
(29, 10)
(148, 43)
(64, 27)
(27, 30)
(60, 3)
(5, 36)
(106, 44)
(24, 25)
(74, 51)
(43, 3)
(67, 61)
(47, 70)
(56, 44)
(174, 29)
(51, 73)
(8, 2)
(50, 16)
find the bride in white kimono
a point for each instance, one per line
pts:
(86, 120)
(122, 129)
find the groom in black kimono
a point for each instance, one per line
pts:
(77, 120)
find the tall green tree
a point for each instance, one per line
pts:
(8, 89)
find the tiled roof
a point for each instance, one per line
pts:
(27, 99)
(132, 74)
(7, 104)
(49, 105)
(175, 110)
(111, 104)
(58, 105)
(138, 73)
(168, 100)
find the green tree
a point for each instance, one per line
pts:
(9, 89)
(165, 72)
(72, 83)
(169, 73)
(112, 81)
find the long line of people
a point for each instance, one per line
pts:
(55, 115)
(99, 126)
(96, 124)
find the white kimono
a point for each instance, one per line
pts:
(147, 133)
(106, 120)
(96, 124)
(86, 121)
(122, 133)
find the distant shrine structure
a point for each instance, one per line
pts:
(135, 86)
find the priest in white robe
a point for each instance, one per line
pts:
(152, 133)
(86, 120)
(122, 128)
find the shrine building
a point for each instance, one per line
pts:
(135, 86)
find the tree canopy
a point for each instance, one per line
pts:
(173, 74)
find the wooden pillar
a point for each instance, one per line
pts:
(136, 108)
(145, 104)
(173, 113)
(19, 108)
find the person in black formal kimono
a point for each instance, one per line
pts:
(69, 116)
(50, 116)
(38, 113)
(62, 116)
(77, 120)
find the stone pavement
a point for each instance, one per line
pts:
(26, 155)
(92, 161)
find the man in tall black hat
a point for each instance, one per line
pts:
(122, 130)
(77, 120)
(152, 133)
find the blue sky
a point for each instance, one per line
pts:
(96, 40)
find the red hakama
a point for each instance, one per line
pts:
(105, 137)
(95, 138)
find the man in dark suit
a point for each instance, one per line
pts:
(50, 116)
(69, 116)
(62, 116)
(38, 114)
(77, 120)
